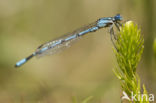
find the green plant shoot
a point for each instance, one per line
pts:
(130, 46)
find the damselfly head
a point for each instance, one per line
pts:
(117, 17)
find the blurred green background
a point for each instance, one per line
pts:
(84, 69)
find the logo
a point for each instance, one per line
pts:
(138, 97)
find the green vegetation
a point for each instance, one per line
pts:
(154, 47)
(130, 46)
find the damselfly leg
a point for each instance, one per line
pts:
(113, 35)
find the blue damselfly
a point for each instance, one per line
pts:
(53, 46)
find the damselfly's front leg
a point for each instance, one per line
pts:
(112, 35)
(118, 25)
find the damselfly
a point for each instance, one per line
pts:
(53, 46)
